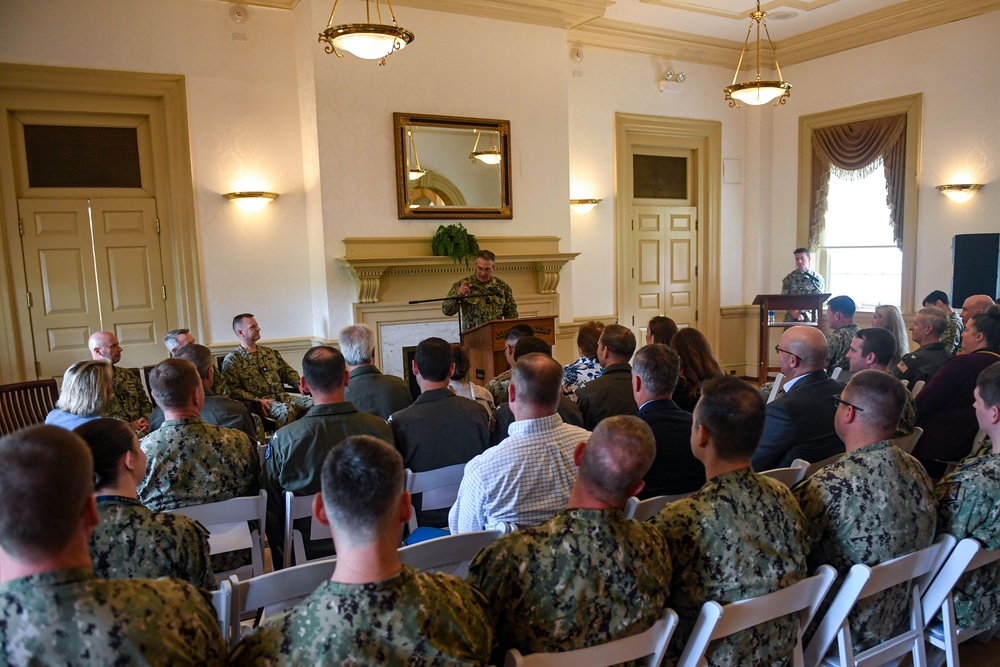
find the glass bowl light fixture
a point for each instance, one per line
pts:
(491, 156)
(757, 91)
(371, 41)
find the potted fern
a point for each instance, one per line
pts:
(456, 242)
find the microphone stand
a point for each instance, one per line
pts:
(459, 299)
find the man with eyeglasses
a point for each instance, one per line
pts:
(799, 423)
(874, 504)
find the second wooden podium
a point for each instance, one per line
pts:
(486, 344)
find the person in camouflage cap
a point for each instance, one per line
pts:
(495, 299)
(257, 372)
(53, 609)
(588, 575)
(802, 280)
(968, 502)
(374, 610)
(132, 542)
(874, 504)
(128, 401)
(840, 314)
(741, 535)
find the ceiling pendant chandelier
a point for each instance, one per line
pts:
(371, 41)
(414, 173)
(491, 156)
(757, 92)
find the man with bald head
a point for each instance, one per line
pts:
(977, 303)
(129, 401)
(799, 424)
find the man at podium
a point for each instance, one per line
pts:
(495, 299)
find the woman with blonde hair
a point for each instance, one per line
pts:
(698, 364)
(888, 317)
(87, 387)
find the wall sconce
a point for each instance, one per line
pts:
(583, 205)
(251, 201)
(960, 192)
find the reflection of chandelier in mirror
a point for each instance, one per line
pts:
(491, 156)
(371, 41)
(414, 173)
(757, 92)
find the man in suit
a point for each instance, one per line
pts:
(799, 424)
(610, 394)
(675, 470)
(370, 390)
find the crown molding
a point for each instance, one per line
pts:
(646, 40)
(273, 4)
(550, 13)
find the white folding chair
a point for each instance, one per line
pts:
(450, 554)
(906, 384)
(651, 644)
(226, 522)
(908, 442)
(300, 507)
(789, 476)
(863, 581)
(776, 387)
(222, 603)
(836, 372)
(438, 488)
(643, 510)
(917, 387)
(945, 634)
(716, 621)
(819, 465)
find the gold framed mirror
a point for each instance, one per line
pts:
(450, 167)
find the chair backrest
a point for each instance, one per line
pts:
(146, 370)
(917, 387)
(438, 488)
(908, 442)
(26, 404)
(450, 554)
(791, 475)
(919, 568)
(716, 621)
(651, 644)
(300, 507)
(813, 467)
(905, 383)
(836, 372)
(776, 387)
(222, 603)
(643, 510)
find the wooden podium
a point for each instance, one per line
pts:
(783, 302)
(486, 344)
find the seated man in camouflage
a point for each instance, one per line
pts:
(741, 535)
(874, 504)
(373, 610)
(588, 575)
(872, 350)
(840, 316)
(129, 401)
(257, 372)
(53, 609)
(967, 501)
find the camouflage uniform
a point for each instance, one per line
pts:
(741, 535)
(131, 542)
(70, 617)
(260, 375)
(584, 577)
(498, 388)
(838, 343)
(952, 336)
(802, 282)
(872, 505)
(579, 373)
(129, 401)
(409, 619)
(497, 304)
(969, 506)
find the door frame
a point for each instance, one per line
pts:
(705, 139)
(160, 97)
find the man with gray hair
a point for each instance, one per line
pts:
(928, 327)
(369, 389)
(546, 585)
(53, 609)
(175, 339)
(374, 610)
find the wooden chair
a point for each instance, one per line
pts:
(643, 510)
(651, 644)
(26, 404)
(437, 488)
(716, 621)
(300, 507)
(908, 442)
(450, 554)
(791, 475)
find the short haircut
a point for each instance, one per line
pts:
(880, 397)
(362, 481)
(662, 329)
(733, 414)
(658, 366)
(988, 384)
(199, 355)
(842, 304)
(935, 318)
(537, 379)
(487, 255)
(86, 387)
(109, 440)
(46, 480)
(170, 339)
(880, 341)
(935, 296)
(529, 345)
(618, 455)
(460, 357)
(238, 320)
(433, 359)
(988, 324)
(802, 250)
(172, 381)
(357, 344)
(324, 368)
(587, 337)
(517, 332)
(619, 340)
